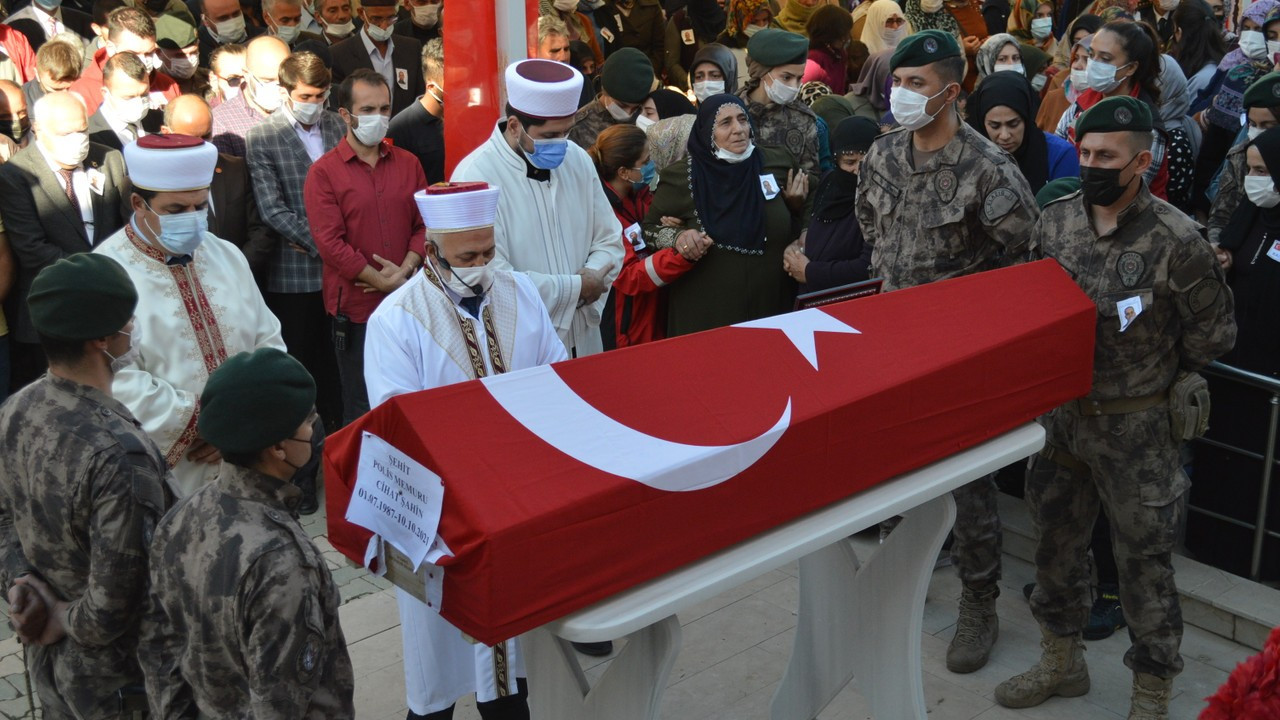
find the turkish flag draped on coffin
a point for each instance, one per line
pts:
(562, 507)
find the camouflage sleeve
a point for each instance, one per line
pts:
(126, 496)
(1009, 213)
(13, 562)
(160, 644)
(1206, 308)
(283, 642)
(1226, 201)
(862, 205)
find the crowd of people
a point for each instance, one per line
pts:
(228, 231)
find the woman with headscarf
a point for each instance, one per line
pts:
(1003, 108)
(714, 71)
(697, 24)
(1065, 86)
(743, 19)
(868, 95)
(794, 16)
(1248, 252)
(732, 197)
(662, 104)
(829, 39)
(580, 27)
(999, 52)
(885, 26)
(1080, 27)
(775, 66)
(834, 253)
(932, 15)
(1032, 23)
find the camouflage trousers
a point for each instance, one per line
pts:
(975, 549)
(1129, 464)
(75, 681)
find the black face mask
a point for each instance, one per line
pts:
(15, 129)
(1101, 186)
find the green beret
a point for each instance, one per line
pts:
(1264, 92)
(174, 33)
(255, 400)
(627, 75)
(924, 48)
(82, 297)
(772, 47)
(1056, 190)
(1114, 114)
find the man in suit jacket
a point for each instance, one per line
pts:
(284, 20)
(395, 57)
(233, 211)
(125, 114)
(222, 22)
(281, 151)
(59, 196)
(128, 30)
(39, 23)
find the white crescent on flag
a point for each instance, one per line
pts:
(538, 399)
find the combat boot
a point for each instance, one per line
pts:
(1150, 697)
(1061, 671)
(976, 630)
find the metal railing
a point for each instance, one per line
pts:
(1268, 457)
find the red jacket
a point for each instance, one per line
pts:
(89, 86)
(640, 305)
(15, 45)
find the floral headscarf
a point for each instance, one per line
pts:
(942, 20)
(739, 13)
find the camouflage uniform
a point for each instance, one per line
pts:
(83, 490)
(591, 120)
(1230, 190)
(792, 126)
(967, 210)
(244, 613)
(1115, 446)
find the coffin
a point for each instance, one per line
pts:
(568, 484)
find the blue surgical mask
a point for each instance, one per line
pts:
(548, 154)
(648, 171)
(181, 233)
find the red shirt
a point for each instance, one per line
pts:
(356, 211)
(89, 85)
(640, 301)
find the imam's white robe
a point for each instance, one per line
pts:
(551, 230)
(414, 342)
(189, 320)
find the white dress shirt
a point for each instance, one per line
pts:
(311, 137)
(80, 183)
(381, 63)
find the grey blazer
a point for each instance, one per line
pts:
(41, 224)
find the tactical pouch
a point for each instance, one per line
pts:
(1188, 407)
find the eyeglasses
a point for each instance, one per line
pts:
(895, 22)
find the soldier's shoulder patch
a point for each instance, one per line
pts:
(1203, 295)
(997, 204)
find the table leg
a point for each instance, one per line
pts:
(630, 689)
(865, 622)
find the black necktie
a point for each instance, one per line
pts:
(472, 306)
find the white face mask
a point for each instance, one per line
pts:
(129, 357)
(751, 30)
(931, 6)
(1102, 76)
(707, 88)
(1261, 191)
(128, 111)
(1253, 44)
(644, 123)
(910, 108)
(229, 31)
(1041, 27)
(181, 68)
(1253, 132)
(287, 33)
(71, 149)
(265, 95)
(466, 281)
(426, 15)
(616, 112)
(1079, 81)
(370, 129)
(378, 34)
(780, 92)
(565, 5)
(891, 36)
(305, 112)
(1012, 67)
(735, 158)
(340, 30)
(1273, 47)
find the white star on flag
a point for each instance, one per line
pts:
(800, 327)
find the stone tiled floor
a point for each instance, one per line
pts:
(736, 646)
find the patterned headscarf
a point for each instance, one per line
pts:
(739, 13)
(1260, 12)
(813, 90)
(990, 50)
(942, 20)
(1020, 22)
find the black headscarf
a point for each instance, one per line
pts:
(721, 57)
(1268, 144)
(708, 18)
(1011, 89)
(1246, 215)
(671, 103)
(727, 196)
(838, 190)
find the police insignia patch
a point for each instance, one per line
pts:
(1130, 267)
(1123, 116)
(945, 183)
(931, 46)
(1202, 295)
(309, 655)
(998, 203)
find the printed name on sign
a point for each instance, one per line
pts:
(397, 498)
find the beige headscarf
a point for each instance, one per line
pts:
(795, 16)
(880, 11)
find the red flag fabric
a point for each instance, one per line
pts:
(590, 492)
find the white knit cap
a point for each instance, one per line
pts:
(170, 163)
(457, 207)
(544, 89)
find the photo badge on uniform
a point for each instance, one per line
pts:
(1128, 309)
(402, 78)
(686, 36)
(97, 180)
(634, 236)
(1274, 252)
(769, 186)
